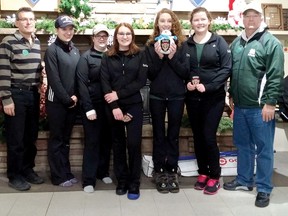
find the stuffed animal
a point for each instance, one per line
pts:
(165, 40)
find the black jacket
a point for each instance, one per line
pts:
(60, 64)
(126, 75)
(213, 69)
(166, 76)
(89, 79)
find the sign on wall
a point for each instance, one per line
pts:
(197, 3)
(32, 2)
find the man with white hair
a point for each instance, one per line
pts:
(256, 84)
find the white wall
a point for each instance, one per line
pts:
(217, 5)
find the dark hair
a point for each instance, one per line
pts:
(201, 9)
(133, 48)
(23, 9)
(176, 28)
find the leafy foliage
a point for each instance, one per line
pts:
(5, 24)
(47, 25)
(76, 8)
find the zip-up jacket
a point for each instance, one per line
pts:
(60, 63)
(125, 74)
(166, 76)
(213, 69)
(258, 70)
(89, 79)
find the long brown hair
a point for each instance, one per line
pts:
(133, 48)
(175, 30)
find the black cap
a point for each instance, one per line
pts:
(63, 21)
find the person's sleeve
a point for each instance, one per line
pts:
(106, 80)
(54, 81)
(154, 62)
(274, 71)
(5, 73)
(224, 71)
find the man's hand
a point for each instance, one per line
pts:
(268, 112)
(9, 109)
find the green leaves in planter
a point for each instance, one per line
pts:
(226, 124)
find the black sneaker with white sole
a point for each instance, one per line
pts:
(235, 185)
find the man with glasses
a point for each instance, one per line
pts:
(256, 84)
(97, 146)
(20, 69)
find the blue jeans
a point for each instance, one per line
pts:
(254, 137)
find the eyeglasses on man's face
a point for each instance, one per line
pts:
(101, 36)
(26, 20)
(122, 34)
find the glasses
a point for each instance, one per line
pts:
(101, 36)
(26, 19)
(122, 34)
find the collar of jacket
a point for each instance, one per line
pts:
(67, 47)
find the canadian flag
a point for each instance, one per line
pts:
(235, 14)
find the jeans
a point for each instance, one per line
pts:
(254, 137)
(22, 133)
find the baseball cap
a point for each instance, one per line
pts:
(63, 21)
(100, 27)
(253, 6)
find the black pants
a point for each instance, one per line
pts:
(97, 146)
(129, 141)
(204, 117)
(22, 133)
(166, 147)
(61, 121)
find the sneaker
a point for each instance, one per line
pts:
(121, 189)
(33, 178)
(19, 184)
(133, 193)
(173, 182)
(234, 185)
(88, 189)
(74, 181)
(262, 199)
(212, 186)
(67, 183)
(201, 182)
(161, 181)
(107, 180)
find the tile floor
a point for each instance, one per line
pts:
(51, 201)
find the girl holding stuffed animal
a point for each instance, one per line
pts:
(167, 93)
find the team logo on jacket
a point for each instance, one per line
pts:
(252, 52)
(197, 3)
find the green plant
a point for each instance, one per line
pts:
(226, 124)
(5, 24)
(76, 8)
(47, 25)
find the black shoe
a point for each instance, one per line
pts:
(133, 193)
(19, 184)
(173, 182)
(234, 186)
(33, 178)
(161, 181)
(121, 189)
(262, 199)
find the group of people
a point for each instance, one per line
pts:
(106, 84)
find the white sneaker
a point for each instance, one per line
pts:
(89, 189)
(74, 181)
(107, 180)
